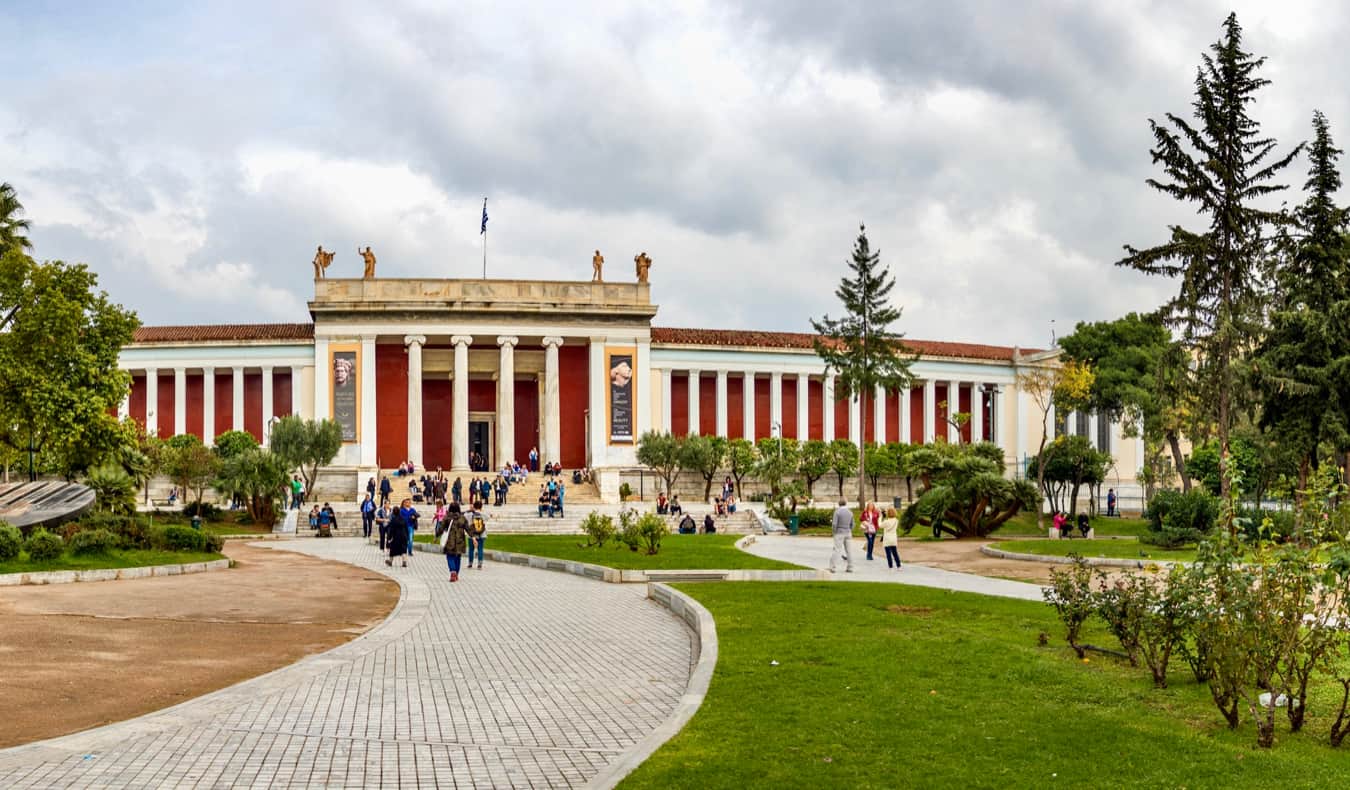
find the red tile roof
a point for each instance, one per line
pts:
(802, 340)
(223, 333)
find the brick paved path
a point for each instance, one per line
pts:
(511, 678)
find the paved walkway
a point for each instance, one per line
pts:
(511, 678)
(814, 552)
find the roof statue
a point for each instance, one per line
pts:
(644, 264)
(597, 267)
(369, 258)
(321, 262)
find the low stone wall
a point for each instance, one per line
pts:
(110, 574)
(1103, 562)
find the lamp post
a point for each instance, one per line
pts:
(992, 390)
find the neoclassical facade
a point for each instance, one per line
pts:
(442, 372)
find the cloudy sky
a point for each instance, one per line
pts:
(195, 153)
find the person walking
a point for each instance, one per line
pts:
(382, 522)
(871, 520)
(842, 524)
(386, 490)
(457, 492)
(297, 493)
(399, 547)
(367, 516)
(371, 489)
(890, 542)
(454, 538)
(409, 514)
(477, 529)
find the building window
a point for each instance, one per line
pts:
(1104, 432)
(1082, 425)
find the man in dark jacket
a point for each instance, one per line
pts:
(386, 489)
(397, 539)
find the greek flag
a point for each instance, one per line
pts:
(483, 229)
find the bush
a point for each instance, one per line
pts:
(598, 529)
(628, 532)
(1176, 519)
(133, 532)
(652, 528)
(43, 546)
(814, 517)
(180, 538)
(206, 510)
(93, 541)
(625, 492)
(11, 541)
(213, 543)
(1253, 527)
(1070, 593)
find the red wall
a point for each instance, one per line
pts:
(391, 404)
(735, 407)
(763, 419)
(283, 394)
(815, 417)
(574, 395)
(707, 405)
(527, 419)
(789, 407)
(841, 417)
(253, 416)
(194, 404)
(963, 398)
(224, 401)
(940, 423)
(438, 397)
(893, 417)
(164, 407)
(916, 406)
(679, 405)
(482, 395)
(136, 402)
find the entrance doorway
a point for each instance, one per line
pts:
(480, 445)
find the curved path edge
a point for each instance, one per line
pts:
(1102, 562)
(109, 574)
(700, 622)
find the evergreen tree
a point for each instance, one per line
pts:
(860, 348)
(1224, 166)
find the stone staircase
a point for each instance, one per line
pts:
(523, 520)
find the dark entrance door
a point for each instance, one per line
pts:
(480, 445)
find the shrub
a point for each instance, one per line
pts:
(68, 530)
(652, 528)
(179, 538)
(206, 510)
(628, 532)
(93, 541)
(1176, 519)
(1070, 593)
(213, 543)
(11, 541)
(43, 546)
(598, 529)
(814, 517)
(625, 492)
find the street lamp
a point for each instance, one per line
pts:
(992, 390)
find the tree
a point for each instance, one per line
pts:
(59, 342)
(663, 452)
(815, 462)
(1068, 386)
(843, 460)
(259, 477)
(778, 458)
(232, 443)
(705, 455)
(880, 461)
(740, 461)
(860, 348)
(306, 445)
(900, 452)
(965, 493)
(1222, 165)
(1073, 462)
(12, 228)
(191, 465)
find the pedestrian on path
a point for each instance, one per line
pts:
(477, 529)
(367, 516)
(386, 489)
(409, 514)
(843, 537)
(382, 522)
(454, 538)
(871, 520)
(397, 539)
(889, 541)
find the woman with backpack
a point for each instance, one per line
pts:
(454, 538)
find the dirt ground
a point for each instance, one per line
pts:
(77, 656)
(965, 556)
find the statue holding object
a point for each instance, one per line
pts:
(321, 262)
(369, 258)
(644, 264)
(597, 267)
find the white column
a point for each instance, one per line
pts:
(953, 404)
(976, 414)
(459, 432)
(369, 405)
(152, 401)
(665, 400)
(722, 403)
(323, 377)
(506, 399)
(1019, 432)
(552, 449)
(1071, 424)
(693, 401)
(209, 406)
(642, 394)
(179, 401)
(803, 407)
(748, 404)
(855, 419)
(929, 411)
(124, 407)
(1050, 424)
(827, 407)
(267, 403)
(879, 415)
(414, 344)
(1092, 432)
(776, 403)
(599, 404)
(298, 382)
(905, 429)
(237, 402)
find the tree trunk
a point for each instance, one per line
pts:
(1179, 461)
(862, 443)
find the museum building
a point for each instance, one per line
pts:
(439, 372)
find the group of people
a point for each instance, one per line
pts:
(687, 526)
(395, 528)
(873, 521)
(297, 492)
(406, 468)
(322, 519)
(668, 507)
(551, 495)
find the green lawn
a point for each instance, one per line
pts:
(115, 559)
(885, 686)
(1024, 525)
(1121, 549)
(679, 552)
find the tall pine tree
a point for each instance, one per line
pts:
(860, 348)
(1222, 164)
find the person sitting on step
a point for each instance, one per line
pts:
(545, 501)
(687, 526)
(675, 508)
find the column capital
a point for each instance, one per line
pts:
(179, 370)
(694, 372)
(368, 338)
(208, 370)
(507, 340)
(151, 371)
(238, 369)
(420, 340)
(552, 340)
(267, 370)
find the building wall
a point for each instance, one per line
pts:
(391, 405)
(573, 401)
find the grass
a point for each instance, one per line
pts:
(131, 558)
(1114, 549)
(678, 552)
(1024, 525)
(885, 685)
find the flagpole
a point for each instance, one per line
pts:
(484, 238)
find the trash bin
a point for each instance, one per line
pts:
(792, 524)
(196, 522)
(898, 502)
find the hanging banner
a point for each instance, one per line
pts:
(344, 366)
(620, 364)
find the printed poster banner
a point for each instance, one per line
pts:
(345, 367)
(621, 373)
